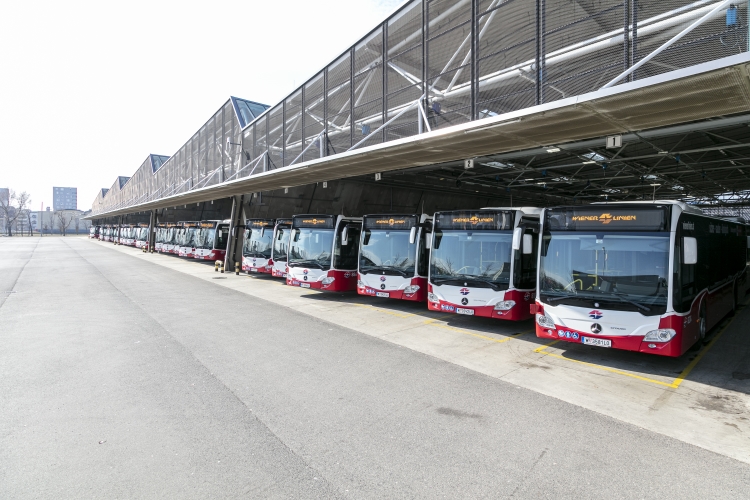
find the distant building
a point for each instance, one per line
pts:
(49, 222)
(64, 198)
(4, 195)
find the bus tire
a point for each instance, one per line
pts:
(702, 321)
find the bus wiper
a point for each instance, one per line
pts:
(494, 285)
(625, 299)
(394, 269)
(561, 297)
(307, 263)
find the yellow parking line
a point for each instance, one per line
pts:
(433, 322)
(605, 368)
(385, 311)
(673, 385)
(682, 376)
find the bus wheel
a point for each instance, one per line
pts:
(702, 321)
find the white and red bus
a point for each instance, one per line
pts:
(141, 235)
(323, 252)
(171, 238)
(280, 248)
(186, 242)
(257, 246)
(127, 234)
(483, 262)
(211, 240)
(160, 233)
(94, 232)
(652, 277)
(393, 257)
(105, 233)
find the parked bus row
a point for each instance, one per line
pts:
(642, 276)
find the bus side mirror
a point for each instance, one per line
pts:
(527, 244)
(295, 238)
(689, 250)
(345, 235)
(413, 235)
(428, 241)
(517, 234)
(262, 232)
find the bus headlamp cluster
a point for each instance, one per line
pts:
(328, 280)
(545, 321)
(411, 289)
(660, 335)
(360, 284)
(433, 298)
(505, 305)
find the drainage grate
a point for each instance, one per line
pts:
(10, 291)
(220, 277)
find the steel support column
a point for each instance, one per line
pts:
(474, 58)
(234, 251)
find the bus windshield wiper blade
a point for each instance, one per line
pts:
(394, 269)
(623, 297)
(307, 263)
(561, 297)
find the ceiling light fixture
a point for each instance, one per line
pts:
(553, 150)
(589, 162)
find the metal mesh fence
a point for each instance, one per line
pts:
(470, 59)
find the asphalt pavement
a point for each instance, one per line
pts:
(120, 378)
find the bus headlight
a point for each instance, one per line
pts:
(660, 335)
(328, 280)
(505, 305)
(411, 289)
(545, 321)
(432, 297)
(360, 284)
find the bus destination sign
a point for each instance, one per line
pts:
(396, 222)
(258, 223)
(482, 220)
(606, 218)
(318, 221)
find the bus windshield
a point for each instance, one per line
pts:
(311, 248)
(204, 238)
(387, 251)
(628, 271)
(256, 245)
(477, 258)
(281, 244)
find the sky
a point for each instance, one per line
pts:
(88, 89)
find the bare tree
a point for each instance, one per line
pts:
(13, 207)
(63, 221)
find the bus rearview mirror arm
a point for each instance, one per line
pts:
(413, 235)
(517, 234)
(689, 250)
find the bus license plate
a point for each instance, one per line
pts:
(596, 342)
(304, 285)
(462, 310)
(253, 269)
(283, 275)
(382, 294)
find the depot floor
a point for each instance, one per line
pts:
(146, 375)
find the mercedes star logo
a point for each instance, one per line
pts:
(596, 328)
(464, 301)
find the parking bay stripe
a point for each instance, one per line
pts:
(673, 385)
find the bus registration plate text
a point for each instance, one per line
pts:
(463, 310)
(596, 342)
